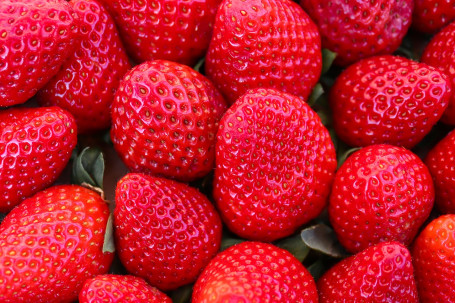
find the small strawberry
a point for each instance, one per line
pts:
(380, 274)
(35, 146)
(255, 272)
(429, 16)
(275, 163)
(359, 29)
(166, 232)
(381, 193)
(388, 99)
(86, 84)
(51, 243)
(263, 43)
(36, 37)
(165, 118)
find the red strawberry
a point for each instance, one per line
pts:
(380, 274)
(381, 193)
(388, 99)
(51, 243)
(37, 36)
(172, 30)
(263, 43)
(86, 84)
(116, 288)
(35, 146)
(166, 232)
(275, 163)
(430, 16)
(255, 272)
(165, 117)
(360, 29)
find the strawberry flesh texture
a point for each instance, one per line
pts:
(429, 16)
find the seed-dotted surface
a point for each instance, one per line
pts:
(429, 16)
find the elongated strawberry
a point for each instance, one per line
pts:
(52, 243)
(429, 16)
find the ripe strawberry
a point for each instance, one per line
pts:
(35, 146)
(166, 232)
(388, 99)
(86, 84)
(429, 16)
(116, 288)
(37, 36)
(381, 193)
(165, 117)
(254, 272)
(172, 30)
(263, 43)
(359, 29)
(380, 274)
(275, 163)
(51, 243)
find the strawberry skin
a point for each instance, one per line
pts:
(380, 274)
(263, 43)
(35, 146)
(51, 243)
(429, 16)
(381, 193)
(166, 232)
(388, 99)
(255, 272)
(86, 84)
(37, 36)
(165, 117)
(275, 163)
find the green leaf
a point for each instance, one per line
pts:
(323, 239)
(295, 246)
(317, 269)
(227, 242)
(88, 167)
(182, 294)
(327, 60)
(199, 65)
(108, 244)
(316, 93)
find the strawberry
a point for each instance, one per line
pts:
(172, 30)
(165, 117)
(51, 243)
(255, 272)
(380, 274)
(35, 146)
(263, 43)
(166, 232)
(359, 29)
(86, 84)
(275, 163)
(116, 288)
(37, 36)
(388, 99)
(429, 16)
(381, 193)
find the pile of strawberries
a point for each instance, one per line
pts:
(335, 182)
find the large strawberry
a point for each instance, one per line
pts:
(360, 29)
(36, 37)
(388, 99)
(86, 84)
(429, 16)
(263, 43)
(35, 146)
(381, 193)
(166, 232)
(275, 163)
(51, 243)
(165, 118)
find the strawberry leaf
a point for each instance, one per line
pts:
(182, 294)
(88, 167)
(295, 246)
(316, 93)
(108, 245)
(227, 242)
(327, 60)
(199, 67)
(317, 269)
(322, 238)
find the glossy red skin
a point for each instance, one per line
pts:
(120, 288)
(35, 146)
(51, 243)
(381, 193)
(88, 79)
(263, 43)
(165, 117)
(379, 274)
(37, 36)
(439, 53)
(255, 272)
(166, 232)
(357, 29)
(429, 16)
(433, 256)
(275, 163)
(388, 99)
(174, 30)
